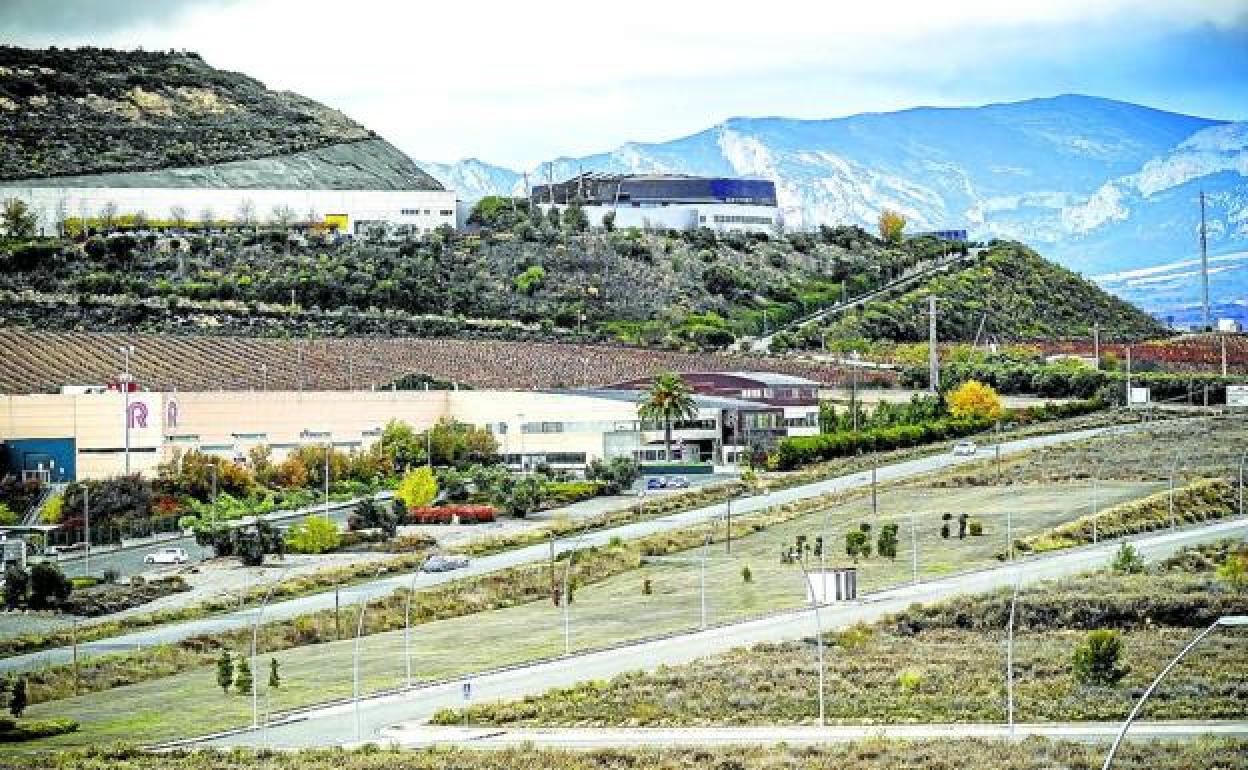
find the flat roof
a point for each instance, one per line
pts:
(635, 396)
(771, 378)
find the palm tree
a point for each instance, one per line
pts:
(669, 398)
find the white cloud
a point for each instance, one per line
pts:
(516, 82)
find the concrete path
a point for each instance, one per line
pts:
(337, 723)
(423, 736)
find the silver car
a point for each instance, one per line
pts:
(440, 562)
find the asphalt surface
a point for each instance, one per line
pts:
(336, 724)
(370, 590)
(129, 560)
(422, 736)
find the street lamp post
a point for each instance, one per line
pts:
(1174, 466)
(407, 628)
(86, 517)
(814, 606)
(255, 631)
(706, 544)
(1242, 457)
(355, 655)
(126, 352)
(1225, 620)
(567, 572)
(1009, 659)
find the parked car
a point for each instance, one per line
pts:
(964, 448)
(167, 556)
(656, 482)
(677, 482)
(439, 562)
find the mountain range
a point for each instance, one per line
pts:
(1106, 188)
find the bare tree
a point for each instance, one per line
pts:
(247, 213)
(177, 215)
(206, 218)
(108, 216)
(283, 216)
(61, 215)
(140, 220)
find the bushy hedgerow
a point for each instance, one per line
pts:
(797, 451)
(1199, 501)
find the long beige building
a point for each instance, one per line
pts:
(66, 437)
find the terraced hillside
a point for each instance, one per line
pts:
(41, 362)
(1008, 293)
(91, 111)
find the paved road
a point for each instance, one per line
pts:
(336, 724)
(535, 553)
(129, 560)
(420, 736)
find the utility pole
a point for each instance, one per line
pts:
(86, 517)
(1128, 375)
(933, 359)
(126, 352)
(1204, 263)
(1096, 344)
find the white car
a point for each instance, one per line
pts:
(167, 556)
(965, 448)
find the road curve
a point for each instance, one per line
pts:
(371, 590)
(336, 724)
(425, 736)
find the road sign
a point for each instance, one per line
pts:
(1237, 395)
(1140, 395)
(467, 690)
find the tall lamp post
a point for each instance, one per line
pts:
(567, 572)
(355, 657)
(255, 631)
(126, 352)
(1009, 658)
(1174, 466)
(814, 606)
(1224, 621)
(1242, 457)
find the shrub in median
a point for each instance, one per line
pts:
(1199, 501)
(447, 514)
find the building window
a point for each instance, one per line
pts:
(542, 427)
(741, 219)
(752, 393)
(805, 421)
(447, 213)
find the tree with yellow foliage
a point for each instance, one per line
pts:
(892, 225)
(418, 488)
(975, 400)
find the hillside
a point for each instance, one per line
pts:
(694, 290)
(131, 115)
(1015, 294)
(1096, 184)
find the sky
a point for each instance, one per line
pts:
(518, 83)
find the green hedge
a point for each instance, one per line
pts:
(15, 731)
(794, 452)
(1067, 381)
(560, 493)
(1199, 501)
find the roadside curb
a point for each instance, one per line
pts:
(299, 714)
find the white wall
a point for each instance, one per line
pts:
(720, 217)
(156, 202)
